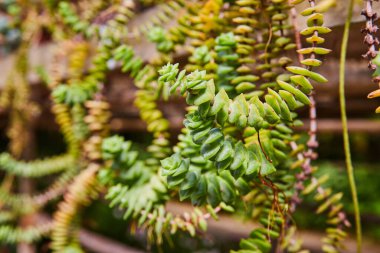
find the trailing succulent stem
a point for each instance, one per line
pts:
(237, 151)
(372, 41)
(346, 141)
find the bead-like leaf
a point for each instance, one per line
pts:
(297, 93)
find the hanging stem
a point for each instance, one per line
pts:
(350, 169)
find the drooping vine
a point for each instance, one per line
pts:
(238, 149)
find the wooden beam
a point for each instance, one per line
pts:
(324, 125)
(354, 126)
(100, 244)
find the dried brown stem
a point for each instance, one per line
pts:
(370, 31)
